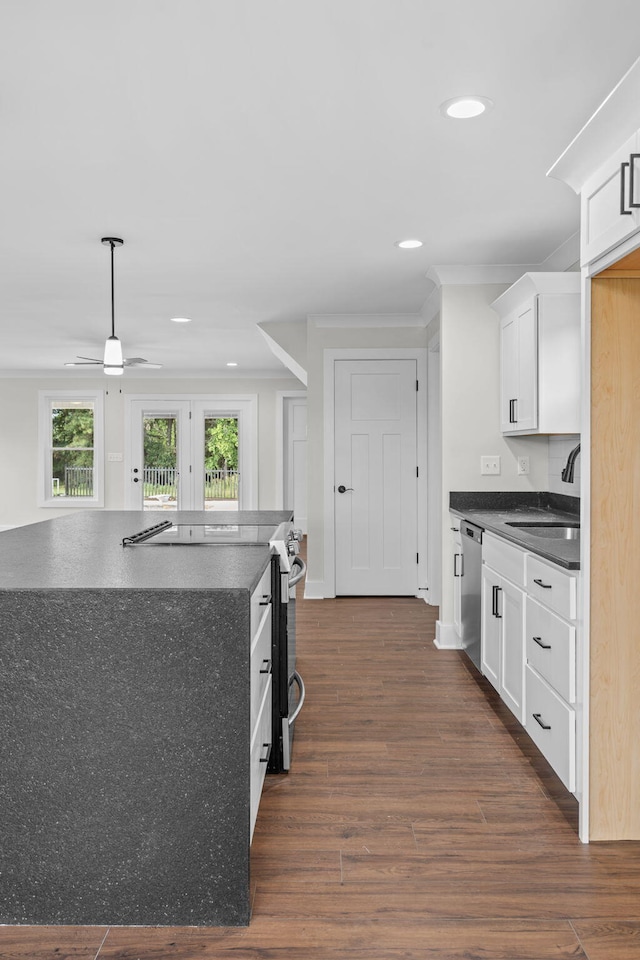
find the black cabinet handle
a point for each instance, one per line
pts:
(267, 754)
(512, 411)
(538, 719)
(266, 600)
(455, 565)
(545, 586)
(494, 603)
(623, 190)
(632, 169)
(538, 640)
(266, 666)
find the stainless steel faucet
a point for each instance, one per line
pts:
(567, 473)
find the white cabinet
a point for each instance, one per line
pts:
(540, 354)
(502, 659)
(456, 573)
(260, 686)
(610, 202)
(551, 665)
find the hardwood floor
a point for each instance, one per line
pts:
(417, 823)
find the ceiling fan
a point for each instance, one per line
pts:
(113, 360)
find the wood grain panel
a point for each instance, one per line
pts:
(615, 560)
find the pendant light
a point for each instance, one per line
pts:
(113, 359)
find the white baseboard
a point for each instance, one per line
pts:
(447, 637)
(314, 590)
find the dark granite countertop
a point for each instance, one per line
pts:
(84, 551)
(494, 511)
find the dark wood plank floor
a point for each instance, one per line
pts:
(417, 823)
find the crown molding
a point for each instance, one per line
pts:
(367, 319)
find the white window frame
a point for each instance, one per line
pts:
(45, 444)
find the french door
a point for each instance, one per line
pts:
(187, 454)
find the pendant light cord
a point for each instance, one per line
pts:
(113, 311)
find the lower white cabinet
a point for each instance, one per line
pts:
(261, 681)
(503, 638)
(529, 637)
(457, 572)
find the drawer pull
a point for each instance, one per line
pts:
(494, 602)
(545, 586)
(512, 411)
(455, 529)
(267, 753)
(538, 719)
(538, 640)
(266, 600)
(266, 666)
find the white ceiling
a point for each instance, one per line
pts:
(260, 158)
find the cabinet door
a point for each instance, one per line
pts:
(527, 403)
(457, 572)
(512, 658)
(508, 372)
(491, 635)
(603, 225)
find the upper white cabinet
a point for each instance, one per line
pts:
(540, 354)
(610, 202)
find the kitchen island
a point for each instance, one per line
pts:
(125, 723)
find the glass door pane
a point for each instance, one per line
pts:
(221, 474)
(160, 462)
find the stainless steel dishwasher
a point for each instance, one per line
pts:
(471, 589)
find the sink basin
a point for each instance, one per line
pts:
(551, 531)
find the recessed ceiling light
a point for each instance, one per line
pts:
(231, 363)
(181, 319)
(465, 108)
(408, 244)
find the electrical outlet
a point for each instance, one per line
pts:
(523, 466)
(490, 466)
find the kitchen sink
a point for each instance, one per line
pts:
(551, 531)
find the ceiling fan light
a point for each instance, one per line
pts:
(113, 352)
(113, 371)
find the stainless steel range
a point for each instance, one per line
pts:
(287, 569)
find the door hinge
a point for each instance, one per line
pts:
(417, 387)
(417, 558)
(189, 414)
(417, 471)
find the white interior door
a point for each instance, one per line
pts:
(159, 456)
(295, 459)
(375, 486)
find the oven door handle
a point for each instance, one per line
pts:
(296, 678)
(296, 577)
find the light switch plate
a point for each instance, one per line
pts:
(490, 466)
(114, 457)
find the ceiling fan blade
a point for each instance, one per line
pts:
(86, 363)
(141, 362)
(90, 359)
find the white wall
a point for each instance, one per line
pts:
(470, 398)
(19, 435)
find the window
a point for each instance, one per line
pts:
(71, 449)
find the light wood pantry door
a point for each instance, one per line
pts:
(375, 486)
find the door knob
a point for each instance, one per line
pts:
(343, 489)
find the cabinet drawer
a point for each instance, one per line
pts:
(261, 741)
(505, 558)
(552, 587)
(551, 724)
(260, 601)
(260, 664)
(551, 649)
